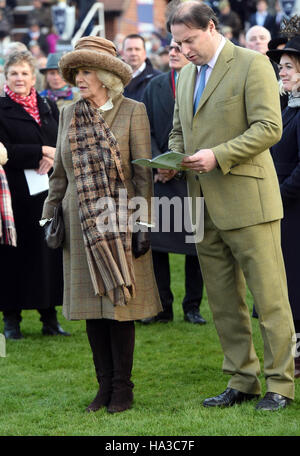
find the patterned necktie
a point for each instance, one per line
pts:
(201, 87)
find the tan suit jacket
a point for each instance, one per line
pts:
(239, 127)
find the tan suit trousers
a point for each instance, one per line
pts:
(253, 253)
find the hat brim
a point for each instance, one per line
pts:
(276, 54)
(272, 44)
(88, 58)
(44, 70)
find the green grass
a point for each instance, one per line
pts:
(47, 382)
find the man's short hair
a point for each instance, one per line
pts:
(193, 15)
(134, 36)
(262, 30)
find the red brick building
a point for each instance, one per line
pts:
(133, 16)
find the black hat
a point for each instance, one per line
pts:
(272, 44)
(291, 47)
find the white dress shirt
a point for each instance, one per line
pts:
(139, 70)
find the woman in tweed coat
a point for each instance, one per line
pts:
(106, 283)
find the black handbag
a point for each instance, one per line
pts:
(55, 229)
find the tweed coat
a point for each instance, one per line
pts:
(128, 122)
(31, 273)
(286, 156)
(243, 190)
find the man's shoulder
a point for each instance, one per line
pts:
(186, 70)
(243, 59)
(158, 80)
(244, 52)
(149, 71)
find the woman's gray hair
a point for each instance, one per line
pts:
(111, 81)
(20, 57)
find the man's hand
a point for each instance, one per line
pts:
(45, 165)
(164, 175)
(48, 152)
(202, 161)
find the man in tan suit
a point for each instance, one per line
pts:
(235, 121)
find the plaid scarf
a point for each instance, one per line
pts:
(98, 174)
(29, 103)
(8, 233)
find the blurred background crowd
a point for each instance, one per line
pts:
(40, 25)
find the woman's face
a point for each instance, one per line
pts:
(91, 88)
(20, 78)
(55, 80)
(289, 73)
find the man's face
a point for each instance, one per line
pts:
(258, 40)
(197, 45)
(176, 58)
(261, 6)
(134, 52)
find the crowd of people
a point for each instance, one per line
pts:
(235, 18)
(83, 116)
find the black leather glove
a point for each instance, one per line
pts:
(140, 243)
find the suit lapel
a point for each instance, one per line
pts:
(220, 69)
(189, 86)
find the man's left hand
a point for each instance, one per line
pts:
(202, 161)
(164, 175)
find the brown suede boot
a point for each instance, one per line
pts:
(122, 339)
(99, 339)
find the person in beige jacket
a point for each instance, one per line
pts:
(108, 278)
(236, 119)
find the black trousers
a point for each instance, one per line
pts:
(193, 282)
(15, 316)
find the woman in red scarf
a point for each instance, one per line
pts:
(31, 274)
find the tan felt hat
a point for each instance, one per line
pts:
(94, 52)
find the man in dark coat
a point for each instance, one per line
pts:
(263, 17)
(159, 100)
(134, 53)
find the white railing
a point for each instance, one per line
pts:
(97, 8)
